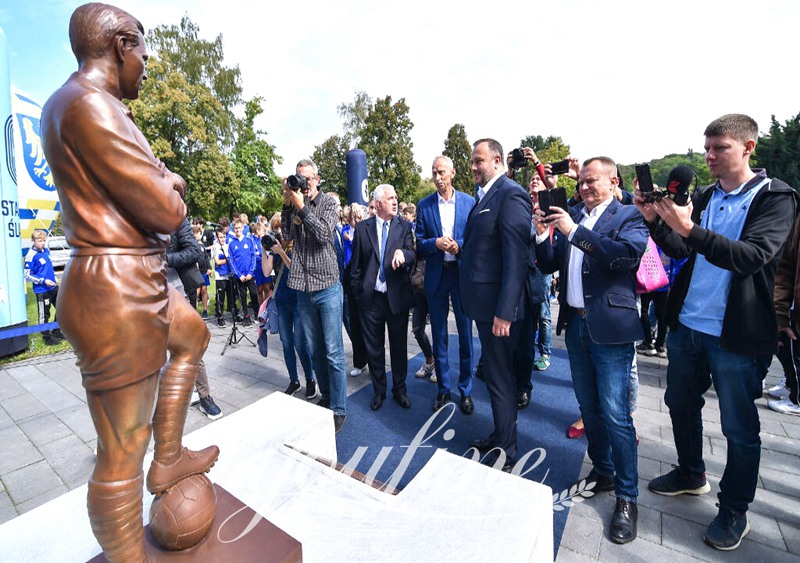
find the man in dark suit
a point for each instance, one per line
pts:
(598, 252)
(494, 263)
(441, 222)
(383, 253)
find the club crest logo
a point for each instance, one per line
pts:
(33, 153)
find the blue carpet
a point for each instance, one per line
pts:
(541, 429)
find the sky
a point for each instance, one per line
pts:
(628, 79)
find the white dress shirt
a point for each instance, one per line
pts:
(482, 191)
(447, 215)
(575, 267)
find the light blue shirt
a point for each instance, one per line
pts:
(725, 214)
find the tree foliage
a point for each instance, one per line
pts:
(779, 151)
(660, 169)
(355, 117)
(386, 138)
(548, 149)
(186, 109)
(459, 149)
(331, 160)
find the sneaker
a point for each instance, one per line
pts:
(205, 315)
(294, 387)
(247, 321)
(239, 319)
(355, 372)
(425, 371)
(785, 406)
(678, 482)
(311, 390)
(727, 530)
(195, 398)
(661, 352)
(433, 378)
(338, 422)
(541, 363)
(646, 349)
(51, 340)
(220, 321)
(778, 392)
(208, 406)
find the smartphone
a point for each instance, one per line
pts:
(556, 197)
(560, 167)
(644, 178)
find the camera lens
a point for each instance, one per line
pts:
(297, 182)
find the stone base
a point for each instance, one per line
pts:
(237, 534)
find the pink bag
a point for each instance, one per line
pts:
(651, 274)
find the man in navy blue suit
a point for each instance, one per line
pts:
(441, 222)
(383, 254)
(494, 263)
(598, 252)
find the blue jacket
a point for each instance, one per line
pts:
(494, 256)
(39, 268)
(429, 228)
(612, 251)
(242, 256)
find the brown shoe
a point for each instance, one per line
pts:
(161, 477)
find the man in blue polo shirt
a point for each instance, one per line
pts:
(723, 327)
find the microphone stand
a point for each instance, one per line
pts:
(236, 334)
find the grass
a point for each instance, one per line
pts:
(37, 347)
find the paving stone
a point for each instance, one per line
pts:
(44, 428)
(566, 555)
(642, 550)
(648, 402)
(28, 482)
(10, 386)
(50, 394)
(792, 430)
(18, 451)
(5, 420)
(583, 535)
(79, 421)
(7, 509)
(71, 459)
(22, 406)
(791, 537)
(647, 431)
(779, 482)
(649, 469)
(39, 500)
(649, 524)
(23, 372)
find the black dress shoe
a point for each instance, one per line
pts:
(402, 400)
(523, 399)
(441, 400)
(482, 446)
(623, 523)
(377, 402)
(467, 406)
(479, 370)
(602, 483)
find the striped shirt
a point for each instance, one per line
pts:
(314, 263)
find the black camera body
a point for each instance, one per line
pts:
(297, 182)
(518, 159)
(269, 240)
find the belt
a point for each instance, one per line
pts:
(449, 264)
(575, 311)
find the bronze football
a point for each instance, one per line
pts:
(181, 516)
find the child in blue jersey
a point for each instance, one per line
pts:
(39, 271)
(222, 270)
(263, 281)
(242, 260)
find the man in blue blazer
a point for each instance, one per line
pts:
(441, 222)
(494, 264)
(598, 252)
(383, 255)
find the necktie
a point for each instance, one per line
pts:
(480, 194)
(382, 274)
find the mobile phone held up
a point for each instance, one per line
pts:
(560, 167)
(644, 178)
(557, 197)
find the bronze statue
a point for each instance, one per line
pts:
(119, 203)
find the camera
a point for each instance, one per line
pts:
(297, 182)
(269, 240)
(518, 159)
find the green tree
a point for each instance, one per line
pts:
(331, 160)
(386, 138)
(253, 159)
(779, 151)
(355, 117)
(458, 148)
(661, 167)
(548, 149)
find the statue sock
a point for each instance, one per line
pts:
(171, 461)
(115, 512)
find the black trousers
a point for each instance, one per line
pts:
(243, 288)
(360, 358)
(374, 318)
(497, 354)
(224, 295)
(44, 302)
(789, 357)
(525, 353)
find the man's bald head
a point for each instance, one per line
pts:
(93, 28)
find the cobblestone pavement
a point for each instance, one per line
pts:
(48, 440)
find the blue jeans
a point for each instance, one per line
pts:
(544, 331)
(321, 317)
(600, 376)
(293, 338)
(737, 381)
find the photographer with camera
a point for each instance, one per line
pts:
(309, 217)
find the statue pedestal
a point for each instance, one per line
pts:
(237, 534)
